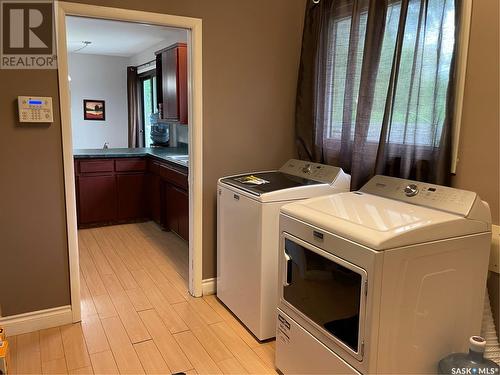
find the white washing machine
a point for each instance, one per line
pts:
(389, 279)
(248, 235)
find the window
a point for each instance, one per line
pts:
(148, 103)
(341, 75)
(380, 86)
(418, 105)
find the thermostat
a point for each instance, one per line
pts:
(35, 109)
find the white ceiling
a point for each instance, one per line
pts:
(116, 38)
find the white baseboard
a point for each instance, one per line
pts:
(33, 321)
(209, 286)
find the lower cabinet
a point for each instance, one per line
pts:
(183, 212)
(110, 190)
(97, 202)
(131, 196)
(154, 197)
(177, 210)
(120, 190)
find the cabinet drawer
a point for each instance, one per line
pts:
(130, 165)
(174, 177)
(95, 166)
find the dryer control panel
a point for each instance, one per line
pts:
(312, 171)
(439, 197)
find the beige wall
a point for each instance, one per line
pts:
(478, 168)
(250, 56)
(33, 251)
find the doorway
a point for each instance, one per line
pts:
(194, 72)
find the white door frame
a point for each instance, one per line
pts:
(195, 102)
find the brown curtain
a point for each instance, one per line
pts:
(376, 87)
(134, 108)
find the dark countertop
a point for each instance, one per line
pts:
(169, 154)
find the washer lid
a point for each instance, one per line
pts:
(267, 182)
(381, 223)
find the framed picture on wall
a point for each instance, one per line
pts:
(93, 110)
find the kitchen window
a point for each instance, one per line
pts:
(148, 103)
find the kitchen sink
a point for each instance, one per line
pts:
(181, 159)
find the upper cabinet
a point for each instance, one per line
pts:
(171, 70)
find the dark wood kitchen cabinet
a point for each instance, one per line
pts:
(154, 191)
(96, 199)
(119, 190)
(183, 213)
(175, 203)
(131, 190)
(171, 70)
(177, 210)
(168, 197)
(110, 190)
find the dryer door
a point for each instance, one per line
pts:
(326, 291)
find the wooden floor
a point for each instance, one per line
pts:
(137, 316)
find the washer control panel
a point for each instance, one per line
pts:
(35, 109)
(411, 190)
(424, 194)
(312, 171)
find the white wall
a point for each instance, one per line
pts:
(103, 78)
(179, 36)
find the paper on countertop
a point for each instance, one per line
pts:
(252, 180)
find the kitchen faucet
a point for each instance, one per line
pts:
(106, 145)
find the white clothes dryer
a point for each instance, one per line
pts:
(388, 279)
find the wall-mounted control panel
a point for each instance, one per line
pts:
(35, 109)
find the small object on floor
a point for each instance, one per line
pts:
(4, 349)
(469, 363)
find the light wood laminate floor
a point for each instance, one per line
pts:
(137, 316)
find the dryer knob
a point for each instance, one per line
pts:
(307, 168)
(411, 190)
